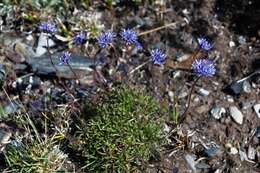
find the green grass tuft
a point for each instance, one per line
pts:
(119, 134)
(41, 156)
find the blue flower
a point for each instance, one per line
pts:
(204, 44)
(48, 27)
(105, 39)
(130, 37)
(204, 67)
(157, 56)
(79, 38)
(64, 58)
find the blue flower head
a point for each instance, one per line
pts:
(48, 27)
(64, 58)
(157, 56)
(204, 67)
(79, 38)
(105, 39)
(204, 44)
(130, 37)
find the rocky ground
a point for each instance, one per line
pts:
(221, 131)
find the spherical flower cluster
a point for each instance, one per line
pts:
(130, 37)
(64, 58)
(79, 38)
(204, 44)
(204, 67)
(157, 56)
(48, 27)
(105, 39)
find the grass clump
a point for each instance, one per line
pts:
(37, 156)
(120, 133)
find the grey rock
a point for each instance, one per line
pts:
(257, 110)
(251, 153)
(81, 65)
(11, 107)
(217, 112)
(212, 151)
(242, 155)
(236, 114)
(247, 104)
(237, 87)
(191, 162)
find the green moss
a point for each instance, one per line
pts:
(120, 133)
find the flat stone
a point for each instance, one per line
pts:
(257, 110)
(236, 114)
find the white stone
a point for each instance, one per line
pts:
(217, 112)
(257, 110)
(232, 44)
(203, 92)
(236, 114)
(230, 99)
(233, 151)
(42, 44)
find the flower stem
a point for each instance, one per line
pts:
(183, 116)
(71, 69)
(59, 79)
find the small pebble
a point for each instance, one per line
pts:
(203, 92)
(233, 150)
(243, 155)
(11, 107)
(247, 87)
(212, 151)
(257, 110)
(217, 112)
(232, 44)
(242, 39)
(4, 137)
(247, 105)
(230, 99)
(166, 128)
(191, 162)
(236, 114)
(251, 153)
(171, 95)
